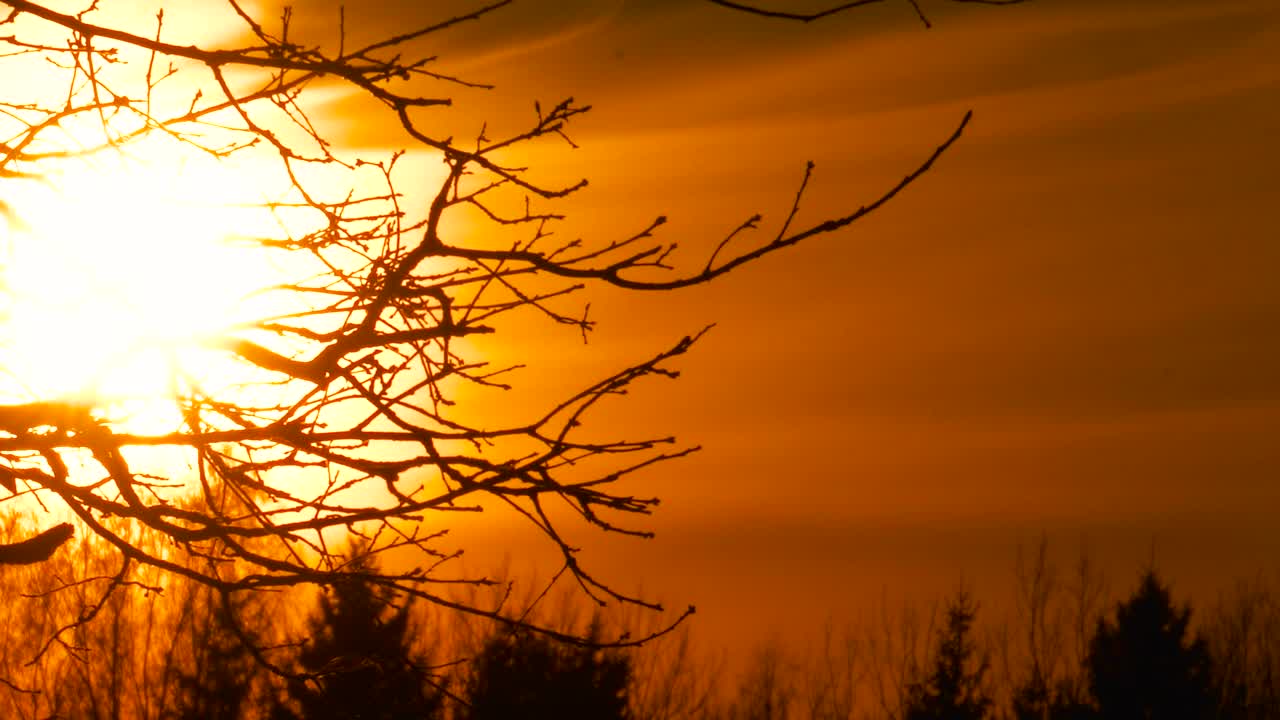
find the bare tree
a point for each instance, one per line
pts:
(1044, 644)
(898, 647)
(672, 679)
(834, 675)
(766, 690)
(342, 410)
(1243, 633)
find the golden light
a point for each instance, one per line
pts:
(118, 269)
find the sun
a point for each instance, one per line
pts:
(116, 271)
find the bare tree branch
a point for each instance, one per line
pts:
(38, 548)
(837, 9)
(343, 412)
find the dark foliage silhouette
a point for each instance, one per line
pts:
(1036, 700)
(955, 688)
(359, 660)
(154, 657)
(1144, 662)
(520, 675)
(216, 683)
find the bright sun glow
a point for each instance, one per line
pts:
(116, 271)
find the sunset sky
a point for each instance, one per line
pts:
(1071, 325)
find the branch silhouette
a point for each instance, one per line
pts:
(348, 414)
(38, 548)
(754, 9)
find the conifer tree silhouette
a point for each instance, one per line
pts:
(359, 652)
(956, 688)
(1144, 664)
(520, 675)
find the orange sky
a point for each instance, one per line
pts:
(1069, 325)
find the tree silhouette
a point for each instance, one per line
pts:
(358, 659)
(1242, 632)
(350, 404)
(1056, 619)
(218, 683)
(519, 675)
(956, 687)
(1036, 700)
(764, 691)
(1145, 664)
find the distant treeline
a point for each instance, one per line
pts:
(1065, 651)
